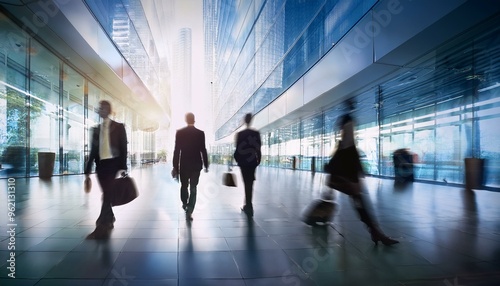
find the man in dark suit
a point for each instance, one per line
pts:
(190, 155)
(109, 152)
(248, 156)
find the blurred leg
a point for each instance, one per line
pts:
(363, 208)
(194, 178)
(248, 174)
(106, 177)
(184, 178)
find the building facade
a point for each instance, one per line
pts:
(424, 76)
(57, 61)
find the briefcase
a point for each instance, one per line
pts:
(124, 191)
(228, 179)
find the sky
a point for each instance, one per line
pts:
(189, 14)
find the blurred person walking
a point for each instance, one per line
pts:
(190, 155)
(345, 171)
(109, 152)
(248, 156)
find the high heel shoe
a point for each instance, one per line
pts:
(377, 236)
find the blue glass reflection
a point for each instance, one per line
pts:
(287, 39)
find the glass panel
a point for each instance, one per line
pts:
(274, 150)
(311, 131)
(285, 161)
(368, 147)
(424, 169)
(448, 155)
(489, 122)
(45, 113)
(13, 100)
(13, 128)
(292, 147)
(265, 149)
(73, 130)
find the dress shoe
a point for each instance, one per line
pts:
(378, 236)
(100, 232)
(247, 210)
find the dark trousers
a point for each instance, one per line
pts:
(189, 179)
(106, 173)
(248, 174)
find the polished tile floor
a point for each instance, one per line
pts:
(448, 236)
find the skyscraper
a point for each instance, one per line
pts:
(182, 74)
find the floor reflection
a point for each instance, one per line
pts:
(444, 232)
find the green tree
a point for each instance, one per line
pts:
(15, 138)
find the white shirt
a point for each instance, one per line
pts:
(104, 146)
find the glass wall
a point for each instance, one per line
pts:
(14, 101)
(256, 63)
(72, 121)
(48, 106)
(125, 22)
(45, 116)
(311, 142)
(444, 110)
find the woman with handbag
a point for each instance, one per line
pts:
(345, 171)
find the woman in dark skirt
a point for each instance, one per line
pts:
(345, 170)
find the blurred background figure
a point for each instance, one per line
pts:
(248, 156)
(403, 166)
(345, 171)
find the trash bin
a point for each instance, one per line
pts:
(46, 164)
(403, 166)
(474, 173)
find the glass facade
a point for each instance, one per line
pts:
(444, 108)
(127, 26)
(125, 22)
(263, 47)
(46, 105)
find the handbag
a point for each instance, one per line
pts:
(344, 168)
(228, 179)
(343, 185)
(124, 191)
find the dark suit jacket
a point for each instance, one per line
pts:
(190, 153)
(247, 153)
(117, 141)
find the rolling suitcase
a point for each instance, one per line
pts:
(320, 211)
